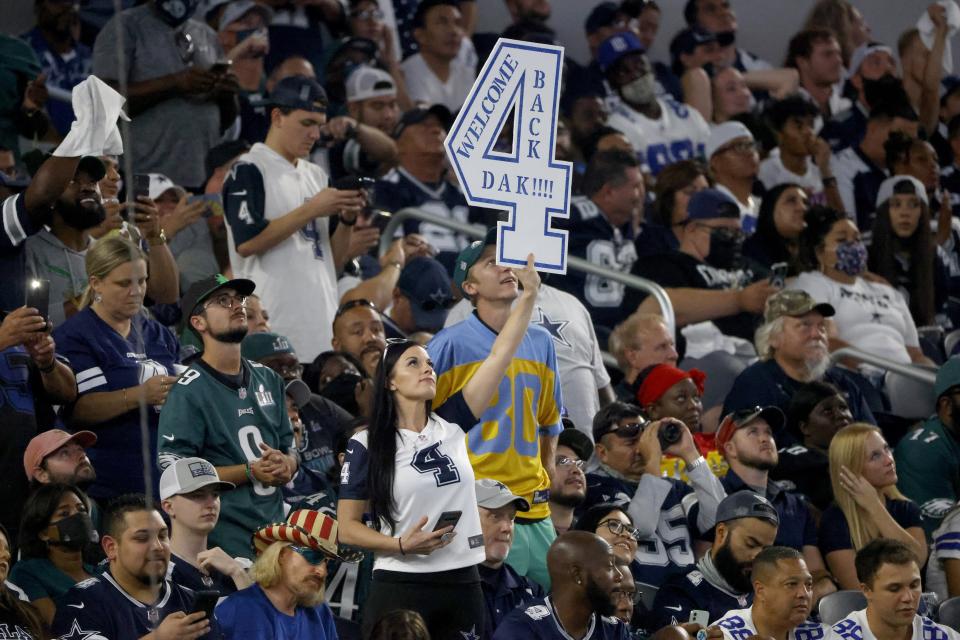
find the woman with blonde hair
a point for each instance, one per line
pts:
(867, 504)
(124, 363)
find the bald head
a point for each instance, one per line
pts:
(574, 550)
(582, 565)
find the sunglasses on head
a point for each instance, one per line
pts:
(352, 304)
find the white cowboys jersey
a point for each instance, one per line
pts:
(680, 133)
(738, 625)
(855, 627)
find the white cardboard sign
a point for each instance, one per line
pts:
(524, 79)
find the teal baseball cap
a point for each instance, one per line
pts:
(257, 346)
(948, 376)
(469, 256)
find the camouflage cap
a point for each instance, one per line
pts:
(794, 303)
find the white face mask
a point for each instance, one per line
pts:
(639, 91)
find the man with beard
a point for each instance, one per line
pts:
(358, 330)
(568, 489)
(746, 440)
(586, 583)
(133, 598)
(792, 345)
(928, 459)
(746, 524)
(783, 597)
(503, 588)
(230, 412)
(669, 513)
(286, 600)
(58, 456)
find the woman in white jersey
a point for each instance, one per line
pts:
(411, 472)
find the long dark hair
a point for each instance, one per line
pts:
(592, 517)
(20, 612)
(919, 247)
(820, 221)
(767, 235)
(36, 514)
(382, 437)
(674, 177)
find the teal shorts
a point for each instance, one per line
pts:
(528, 555)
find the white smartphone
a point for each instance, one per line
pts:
(700, 617)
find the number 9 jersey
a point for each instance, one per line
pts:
(211, 416)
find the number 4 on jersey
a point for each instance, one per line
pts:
(524, 80)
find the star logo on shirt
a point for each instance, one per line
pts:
(876, 317)
(76, 633)
(470, 635)
(555, 328)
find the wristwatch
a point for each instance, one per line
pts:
(158, 240)
(700, 461)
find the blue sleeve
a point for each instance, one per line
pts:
(17, 225)
(353, 474)
(77, 617)
(834, 532)
(329, 626)
(906, 513)
(440, 353)
(244, 201)
(226, 616)
(84, 361)
(456, 411)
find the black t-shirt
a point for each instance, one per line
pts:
(12, 623)
(806, 471)
(678, 270)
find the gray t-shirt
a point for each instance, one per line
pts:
(193, 250)
(172, 137)
(50, 259)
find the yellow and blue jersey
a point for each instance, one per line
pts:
(504, 445)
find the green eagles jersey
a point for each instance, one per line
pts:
(208, 416)
(928, 466)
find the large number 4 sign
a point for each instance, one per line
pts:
(522, 79)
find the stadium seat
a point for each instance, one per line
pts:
(909, 398)
(839, 605)
(950, 341)
(949, 613)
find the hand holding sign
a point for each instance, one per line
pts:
(523, 79)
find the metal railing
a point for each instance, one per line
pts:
(920, 374)
(477, 231)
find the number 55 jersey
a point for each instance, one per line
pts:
(224, 419)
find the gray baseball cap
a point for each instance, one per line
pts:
(747, 504)
(189, 474)
(492, 494)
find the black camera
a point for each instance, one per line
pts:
(669, 434)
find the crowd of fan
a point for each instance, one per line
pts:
(238, 417)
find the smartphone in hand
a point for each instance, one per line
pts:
(38, 296)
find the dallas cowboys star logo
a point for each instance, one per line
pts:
(470, 635)
(439, 296)
(76, 633)
(555, 328)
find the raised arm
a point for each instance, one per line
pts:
(481, 387)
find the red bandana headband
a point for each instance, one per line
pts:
(664, 376)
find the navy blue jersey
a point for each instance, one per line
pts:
(99, 609)
(182, 573)
(16, 227)
(540, 620)
(806, 471)
(103, 360)
(798, 528)
(670, 549)
(682, 593)
(503, 591)
(250, 615)
(594, 239)
(845, 129)
(835, 532)
(858, 180)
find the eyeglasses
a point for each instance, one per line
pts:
(185, 46)
(741, 146)
(564, 461)
(368, 14)
(289, 370)
(618, 528)
(628, 430)
(627, 595)
(312, 556)
(227, 301)
(353, 304)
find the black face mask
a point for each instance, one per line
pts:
(82, 217)
(875, 91)
(175, 12)
(73, 532)
(342, 390)
(725, 248)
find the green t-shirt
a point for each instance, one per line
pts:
(210, 416)
(39, 578)
(928, 470)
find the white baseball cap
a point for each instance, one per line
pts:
(186, 475)
(885, 192)
(724, 133)
(367, 82)
(160, 184)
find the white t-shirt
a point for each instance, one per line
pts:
(578, 354)
(772, 173)
(296, 280)
(737, 624)
(749, 210)
(680, 133)
(432, 475)
(424, 86)
(870, 316)
(946, 544)
(855, 627)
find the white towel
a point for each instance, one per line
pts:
(926, 29)
(94, 133)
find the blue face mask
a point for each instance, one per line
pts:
(851, 258)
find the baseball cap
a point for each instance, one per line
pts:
(493, 494)
(794, 303)
(469, 256)
(419, 114)
(746, 504)
(948, 377)
(887, 187)
(426, 285)
(239, 8)
(186, 475)
(689, 39)
(367, 82)
(603, 15)
(617, 46)
(202, 289)
(296, 92)
(576, 440)
(707, 204)
(735, 420)
(160, 184)
(299, 391)
(42, 445)
(861, 52)
(724, 133)
(91, 165)
(223, 153)
(257, 346)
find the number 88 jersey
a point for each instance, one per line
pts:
(432, 475)
(738, 625)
